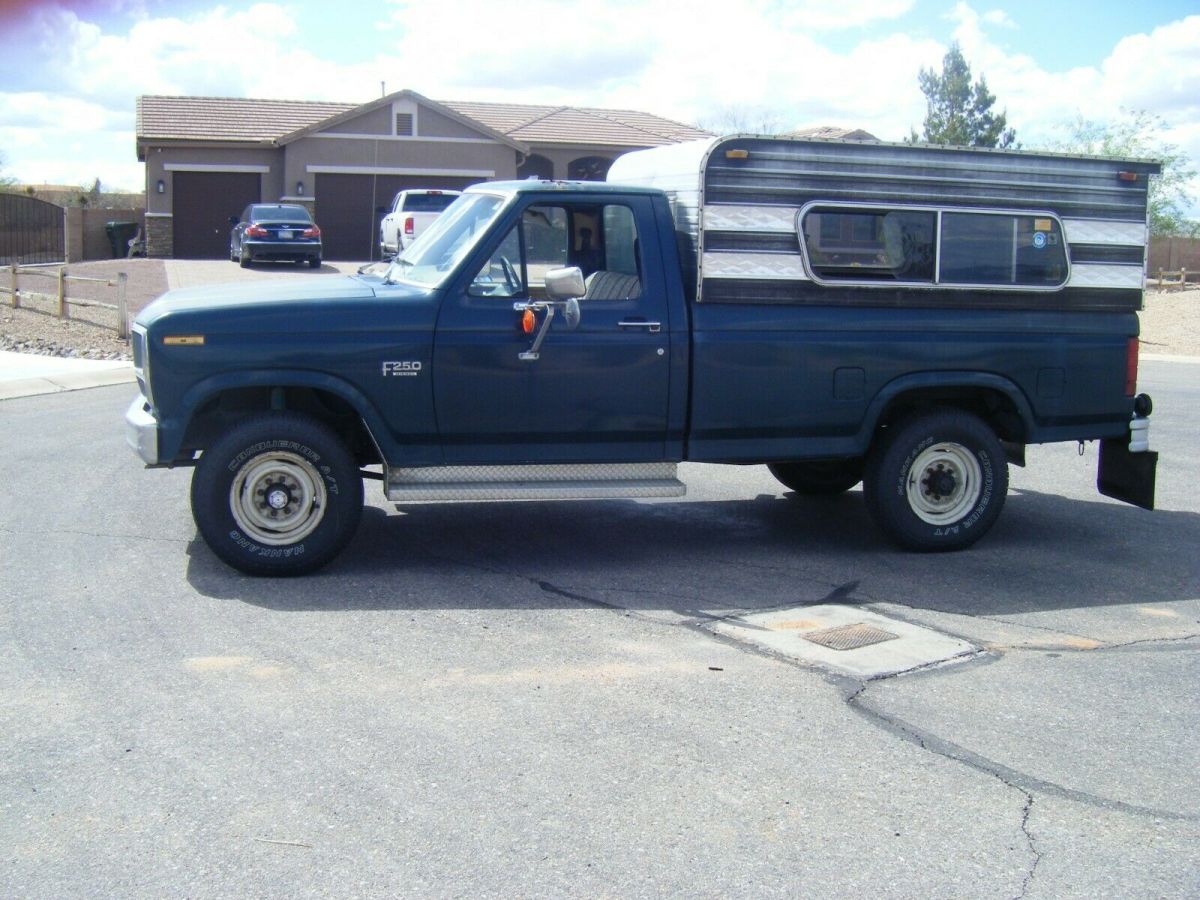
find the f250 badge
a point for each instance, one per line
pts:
(404, 368)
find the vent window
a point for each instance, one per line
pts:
(404, 124)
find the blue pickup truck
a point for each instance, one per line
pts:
(910, 317)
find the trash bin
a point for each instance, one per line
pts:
(119, 236)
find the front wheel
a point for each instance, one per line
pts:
(278, 495)
(937, 480)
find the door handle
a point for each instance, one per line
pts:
(652, 327)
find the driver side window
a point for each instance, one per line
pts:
(600, 239)
(501, 275)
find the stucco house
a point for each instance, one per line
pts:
(208, 157)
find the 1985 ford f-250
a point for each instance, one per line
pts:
(906, 316)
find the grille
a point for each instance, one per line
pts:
(850, 637)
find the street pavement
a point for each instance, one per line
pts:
(544, 699)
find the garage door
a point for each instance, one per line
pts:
(347, 209)
(204, 201)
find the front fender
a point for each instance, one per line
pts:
(173, 428)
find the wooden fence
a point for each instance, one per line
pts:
(60, 301)
(1173, 281)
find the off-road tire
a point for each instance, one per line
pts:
(278, 495)
(936, 480)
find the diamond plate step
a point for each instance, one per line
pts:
(534, 482)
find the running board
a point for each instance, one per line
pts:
(560, 482)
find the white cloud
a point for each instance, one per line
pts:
(689, 61)
(998, 17)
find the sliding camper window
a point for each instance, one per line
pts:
(882, 245)
(886, 245)
(1002, 249)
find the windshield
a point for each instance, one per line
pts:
(438, 250)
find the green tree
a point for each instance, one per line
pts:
(959, 112)
(1134, 134)
(7, 182)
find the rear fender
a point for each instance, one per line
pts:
(948, 381)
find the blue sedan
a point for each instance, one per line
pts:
(275, 231)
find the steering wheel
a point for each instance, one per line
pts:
(510, 275)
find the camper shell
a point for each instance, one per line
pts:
(745, 204)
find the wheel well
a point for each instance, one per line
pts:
(993, 406)
(224, 410)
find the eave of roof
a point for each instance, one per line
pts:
(388, 100)
(225, 120)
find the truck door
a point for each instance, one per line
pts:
(597, 393)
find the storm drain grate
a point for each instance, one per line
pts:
(849, 637)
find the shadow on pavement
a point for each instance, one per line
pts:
(1046, 552)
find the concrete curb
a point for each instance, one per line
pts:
(66, 381)
(1166, 357)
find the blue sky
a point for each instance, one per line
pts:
(71, 71)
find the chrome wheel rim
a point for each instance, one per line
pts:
(944, 484)
(278, 499)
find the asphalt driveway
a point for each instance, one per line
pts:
(532, 699)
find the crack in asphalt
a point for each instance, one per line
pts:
(48, 532)
(1037, 856)
(1023, 783)
(1014, 778)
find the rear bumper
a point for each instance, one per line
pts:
(282, 249)
(141, 430)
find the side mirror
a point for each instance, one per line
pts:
(233, 220)
(566, 284)
(381, 209)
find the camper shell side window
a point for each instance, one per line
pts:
(874, 245)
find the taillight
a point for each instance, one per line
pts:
(313, 232)
(256, 231)
(408, 224)
(1131, 364)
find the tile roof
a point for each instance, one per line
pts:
(831, 132)
(577, 125)
(227, 118)
(224, 119)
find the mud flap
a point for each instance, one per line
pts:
(1125, 476)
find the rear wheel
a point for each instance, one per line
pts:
(278, 495)
(314, 262)
(244, 259)
(818, 476)
(937, 480)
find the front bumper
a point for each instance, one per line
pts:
(141, 430)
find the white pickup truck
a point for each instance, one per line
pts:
(410, 212)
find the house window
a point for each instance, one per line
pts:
(404, 124)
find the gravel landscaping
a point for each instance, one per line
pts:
(1170, 320)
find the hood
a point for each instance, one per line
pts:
(257, 295)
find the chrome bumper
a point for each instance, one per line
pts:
(141, 430)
